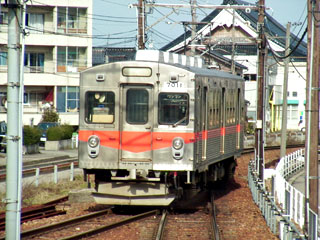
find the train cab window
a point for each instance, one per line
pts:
(137, 106)
(173, 108)
(99, 107)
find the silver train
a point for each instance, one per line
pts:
(154, 128)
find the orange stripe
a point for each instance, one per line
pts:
(107, 138)
(164, 139)
(145, 141)
(136, 141)
(223, 131)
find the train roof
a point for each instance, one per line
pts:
(192, 64)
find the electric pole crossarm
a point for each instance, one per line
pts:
(240, 7)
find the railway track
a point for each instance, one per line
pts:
(251, 150)
(83, 226)
(236, 212)
(200, 224)
(37, 212)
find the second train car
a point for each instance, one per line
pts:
(152, 128)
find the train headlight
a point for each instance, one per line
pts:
(93, 141)
(93, 146)
(177, 143)
(177, 148)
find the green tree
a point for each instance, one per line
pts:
(50, 115)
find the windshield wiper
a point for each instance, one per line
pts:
(180, 121)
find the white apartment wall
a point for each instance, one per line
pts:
(250, 95)
(47, 43)
(296, 83)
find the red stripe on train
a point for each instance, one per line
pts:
(147, 141)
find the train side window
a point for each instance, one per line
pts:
(173, 108)
(99, 107)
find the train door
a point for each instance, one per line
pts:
(223, 120)
(136, 124)
(238, 119)
(204, 122)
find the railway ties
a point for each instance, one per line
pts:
(37, 212)
(107, 224)
(196, 224)
(86, 226)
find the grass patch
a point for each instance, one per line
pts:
(46, 192)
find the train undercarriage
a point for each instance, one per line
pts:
(141, 188)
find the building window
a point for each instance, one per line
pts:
(294, 113)
(72, 20)
(250, 77)
(3, 101)
(35, 22)
(68, 99)
(34, 62)
(3, 18)
(32, 98)
(71, 59)
(3, 58)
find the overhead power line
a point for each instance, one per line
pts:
(292, 51)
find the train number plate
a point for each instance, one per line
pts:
(173, 85)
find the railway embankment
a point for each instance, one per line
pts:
(274, 139)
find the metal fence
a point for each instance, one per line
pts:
(283, 206)
(290, 199)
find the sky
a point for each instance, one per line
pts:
(115, 24)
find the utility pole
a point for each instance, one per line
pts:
(193, 4)
(312, 109)
(13, 188)
(233, 67)
(141, 25)
(259, 131)
(283, 145)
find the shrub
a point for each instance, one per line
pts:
(31, 135)
(59, 133)
(50, 115)
(67, 131)
(54, 133)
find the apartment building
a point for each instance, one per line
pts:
(58, 45)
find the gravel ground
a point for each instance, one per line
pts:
(237, 215)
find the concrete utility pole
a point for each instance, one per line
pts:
(13, 208)
(312, 134)
(193, 4)
(141, 25)
(233, 68)
(283, 145)
(259, 131)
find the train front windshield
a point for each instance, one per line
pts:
(99, 107)
(173, 108)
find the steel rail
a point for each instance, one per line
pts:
(37, 212)
(111, 226)
(214, 226)
(162, 225)
(63, 224)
